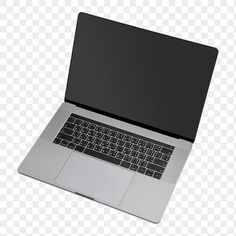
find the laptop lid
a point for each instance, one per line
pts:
(145, 78)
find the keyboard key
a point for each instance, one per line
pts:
(120, 142)
(90, 139)
(149, 145)
(157, 147)
(134, 140)
(104, 143)
(85, 124)
(105, 137)
(128, 145)
(92, 126)
(111, 146)
(71, 145)
(79, 148)
(157, 155)
(105, 150)
(134, 153)
(113, 140)
(83, 136)
(141, 156)
(149, 172)
(127, 151)
(149, 158)
(150, 152)
(69, 125)
(133, 167)
(143, 149)
(71, 119)
(160, 162)
(141, 170)
(102, 156)
(112, 153)
(113, 133)
(127, 138)
(91, 145)
(83, 143)
(119, 149)
(120, 135)
(98, 135)
(166, 151)
(57, 140)
(155, 167)
(119, 155)
(105, 131)
(76, 134)
(127, 158)
(85, 130)
(65, 136)
(76, 140)
(135, 160)
(166, 157)
(77, 128)
(135, 147)
(125, 164)
(98, 129)
(91, 132)
(141, 142)
(143, 163)
(97, 141)
(157, 175)
(98, 148)
(66, 131)
(78, 122)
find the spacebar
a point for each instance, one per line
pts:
(102, 156)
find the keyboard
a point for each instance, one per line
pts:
(114, 145)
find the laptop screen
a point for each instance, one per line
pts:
(145, 78)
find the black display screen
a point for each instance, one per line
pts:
(149, 79)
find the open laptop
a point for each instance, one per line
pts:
(132, 106)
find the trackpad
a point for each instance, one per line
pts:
(94, 178)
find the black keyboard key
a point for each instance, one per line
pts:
(66, 131)
(71, 145)
(92, 126)
(92, 132)
(119, 155)
(69, 125)
(76, 140)
(78, 122)
(125, 164)
(160, 162)
(98, 148)
(90, 139)
(112, 153)
(57, 140)
(83, 136)
(149, 145)
(84, 130)
(157, 147)
(127, 158)
(85, 124)
(79, 148)
(166, 151)
(141, 170)
(105, 131)
(157, 155)
(120, 135)
(150, 152)
(104, 143)
(120, 142)
(77, 128)
(143, 149)
(91, 145)
(111, 146)
(65, 136)
(127, 151)
(105, 137)
(155, 167)
(165, 157)
(134, 140)
(134, 153)
(71, 119)
(135, 147)
(102, 156)
(83, 143)
(105, 150)
(128, 145)
(98, 129)
(98, 135)
(149, 172)
(133, 167)
(97, 141)
(135, 160)
(76, 134)
(149, 158)
(157, 175)
(143, 163)
(119, 149)
(113, 140)
(141, 156)
(113, 133)
(127, 138)
(141, 143)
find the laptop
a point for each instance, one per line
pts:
(131, 111)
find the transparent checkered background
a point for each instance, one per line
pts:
(35, 47)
